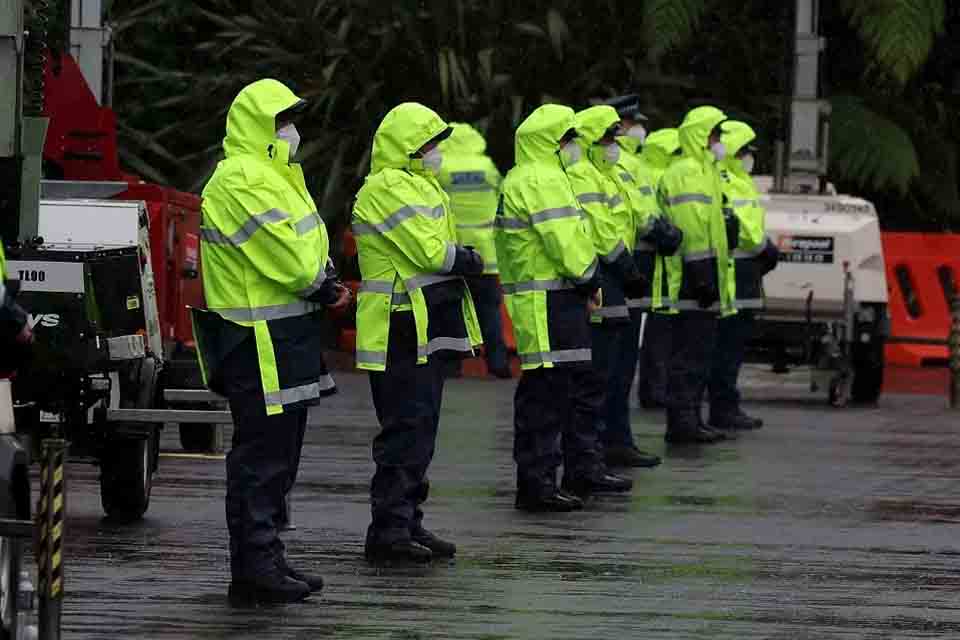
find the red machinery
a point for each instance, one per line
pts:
(81, 145)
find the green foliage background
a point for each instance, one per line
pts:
(890, 71)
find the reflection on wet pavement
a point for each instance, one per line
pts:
(826, 524)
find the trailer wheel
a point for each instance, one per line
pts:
(868, 364)
(200, 438)
(126, 477)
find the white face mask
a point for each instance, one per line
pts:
(432, 160)
(570, 153)
(719, 150)
(611, 153)
(638, 132)
(291, 136)
(747, 162)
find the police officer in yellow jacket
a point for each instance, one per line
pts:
(266, 277)
(472, 181)
(615, 334)
(659, 151)
(414, 310)
(548, 266)
(754, 256)
(694, 285)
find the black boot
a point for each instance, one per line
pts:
(693, 436)
(601, 483)
(551, 501)
(731, 423)
(274, 588)
(439, 548)
(315, 582)
(755, 423)
(399, 552)
(629, 457)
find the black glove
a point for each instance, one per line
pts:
(666, 236)
(590, 287)
(634, 281)
(733, 228)
(328, 293)
(706, 295)
(467, 263)
(768, 257)
(636, 288)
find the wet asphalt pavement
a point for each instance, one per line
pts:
(826, 524)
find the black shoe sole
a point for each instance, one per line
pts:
(251, 599)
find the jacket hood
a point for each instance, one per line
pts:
(736, 135)
(660, 146)
(592, 123)
(464, 139)
(695, 130)
(538, 136)
(405, 129)
(251, 121)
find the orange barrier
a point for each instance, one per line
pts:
(922, 272)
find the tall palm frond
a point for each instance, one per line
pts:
(669, 24)
(899, 33)
(869, 149)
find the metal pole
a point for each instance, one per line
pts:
(50, 519)
(954, 343)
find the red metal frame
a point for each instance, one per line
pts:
(82, 145)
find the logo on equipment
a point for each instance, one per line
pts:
(43, 320)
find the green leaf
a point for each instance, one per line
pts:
(868, 148)
(899, 33)
(670, 24)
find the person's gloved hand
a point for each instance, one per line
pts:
(467, 263)
(706, 296)
(636, 288)
(732, 223)
(666, 236)
(768, 257)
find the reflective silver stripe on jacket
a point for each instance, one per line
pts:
(489, 266)
(376, 286)
(588, 274)
(477, 225)
(693, 305)
(272, 312)
(749, 303)
(554, 214)
(615, 201)
(695, 256)
(395, 219)
(502, 222)
(593, 196)
(566, 355)
(746, 203)
(445, 344)
(740, 254)
(615, 252)
(626, 177)
(418, 282)
(301, 393)
(635, 303)
(314, 286)
(253, 224)
(307, 224)
(371, 357)
(683, 198)
(449, 259)
(647, 191)
(618, 311)
(537, 285)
